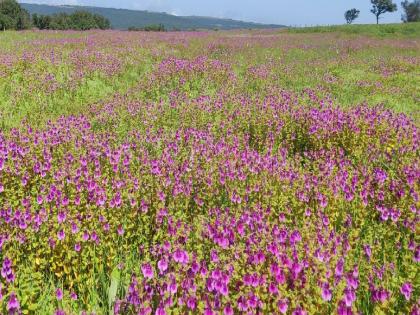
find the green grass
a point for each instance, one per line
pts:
(381, 30)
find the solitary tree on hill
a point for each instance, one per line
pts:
(351, 15)
(382, 6)
(411, 11)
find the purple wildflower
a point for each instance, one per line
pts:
(406, 290)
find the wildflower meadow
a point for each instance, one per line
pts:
(230, 172)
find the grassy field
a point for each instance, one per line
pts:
(408, 30)
(354, 64)
(240, 172)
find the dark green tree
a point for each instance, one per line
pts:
(6, 22)
(351, 15)
(42, 22)
(101, 22)
(79, 20)
(149, 28)
(13, 16)
(380, 7)
(23, 21)
(155, 28)
(35, 19)
(82, 20)
(411, 11)
(10, 8)
(60, 21)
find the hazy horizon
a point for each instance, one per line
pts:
(296, 13)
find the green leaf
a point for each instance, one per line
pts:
(113, 288)
(33, 307)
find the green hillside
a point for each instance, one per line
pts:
(123, 19)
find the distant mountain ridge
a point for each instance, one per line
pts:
(124, 18)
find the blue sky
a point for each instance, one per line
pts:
(289, 12)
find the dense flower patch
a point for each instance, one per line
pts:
(227, 202)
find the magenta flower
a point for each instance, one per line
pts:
(352, 282)
(162, 265)
(349, 297)
(283, 305)
(73, 296)
(380, 175)
(6, 270)
(13, 305)
(242, 304)
(326, 293)
(416, 256)
(339, 269)
(228, 310)
(272, 288)
(94, 236)
(280, 277)
(160, 311)
(295, 237)
(59, 294)
(406, 290)
(61, 217)
(214, 256)
(181, 256)
(86, 236)
(368, 251)
(147, 271)
(415, 310)
(61, 235)
(223, 289)
(343, 309)
(379, 295)
(191, 303)
(173, 287)
(208, 311)
(299, 311)
(74, 228)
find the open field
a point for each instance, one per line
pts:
(408, 30)
(241, 172)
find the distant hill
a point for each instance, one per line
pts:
(123, 18)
